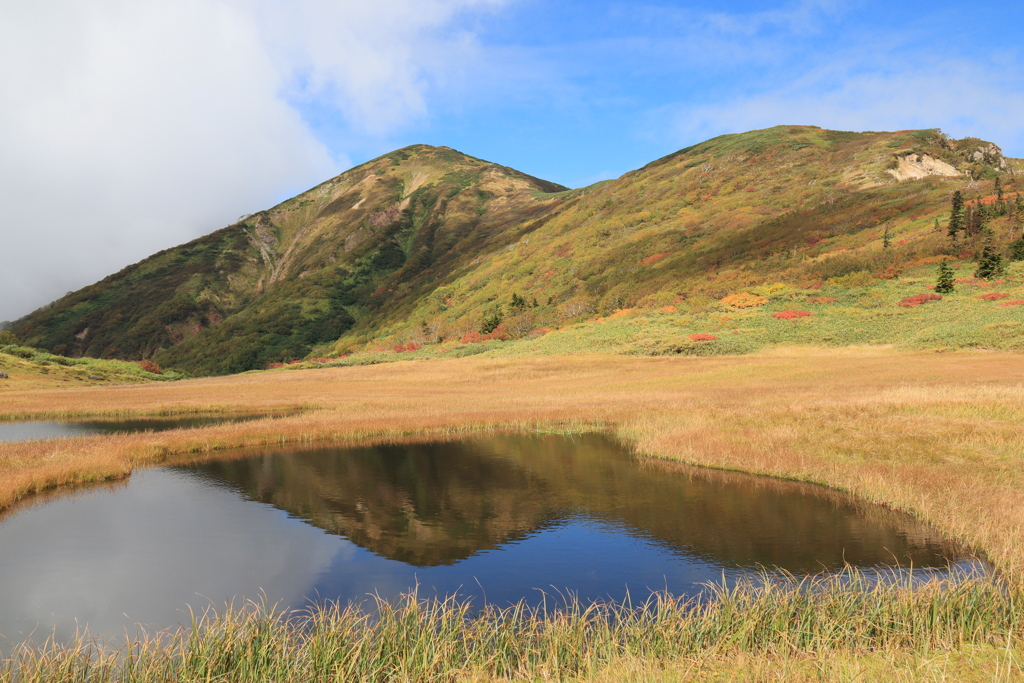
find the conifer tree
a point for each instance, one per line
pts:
(956, 215)
(944, 283)
(990, 265)
(1017, 249)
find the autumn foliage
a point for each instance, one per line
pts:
(499, 333)
(918, 299)
(790, 315)
(149, 366)
(994, 296)
(744, 300)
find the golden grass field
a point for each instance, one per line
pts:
(938, 434)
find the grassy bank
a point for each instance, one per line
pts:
(934, 434)
(748, 632)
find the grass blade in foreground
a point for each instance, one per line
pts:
(430, 640)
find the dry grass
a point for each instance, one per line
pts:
(934, 434)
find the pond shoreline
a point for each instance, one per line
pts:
(935, 435)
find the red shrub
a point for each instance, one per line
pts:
(149, 366)
(1018, 302)
(653, 259)
(499, 333)
(275, 365)
(789, 315)
(994, 296)
(702, 337)
(919, 299)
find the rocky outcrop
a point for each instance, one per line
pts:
(916, 166)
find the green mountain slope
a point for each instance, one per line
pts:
(426, 245)
(353, 250)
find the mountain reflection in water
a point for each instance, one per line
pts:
(440, 503)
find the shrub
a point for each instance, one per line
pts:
(744, 300)
(861, 278)
(994, 296)
(149, 366)
(1018, 302)
(499, 333)
(702, 337)
(790, 315)
(918, 299)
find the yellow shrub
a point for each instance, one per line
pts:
(744, 300)
(861, 278)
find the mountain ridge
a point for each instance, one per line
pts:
(427, 243)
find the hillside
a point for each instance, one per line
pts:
(348, 253)
(429, 250)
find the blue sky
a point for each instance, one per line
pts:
(129, 126)
(594, 89)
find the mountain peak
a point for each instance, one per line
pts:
(427, 243)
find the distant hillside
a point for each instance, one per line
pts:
(350, 253)
(427, 245)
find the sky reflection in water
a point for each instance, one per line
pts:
(505, 518)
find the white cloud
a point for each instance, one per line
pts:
(130, 126)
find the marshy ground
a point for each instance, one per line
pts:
(935, 434)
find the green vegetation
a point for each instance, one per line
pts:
(426, 640)
(944, 281)
(425, 247)
(32, 368)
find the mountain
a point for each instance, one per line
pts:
(437, 504)
(427, 244)
(355, 249)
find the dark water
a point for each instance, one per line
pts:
(505, 518)
(27, 431)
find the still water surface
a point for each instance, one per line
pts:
(40, 429)
(499, 519)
